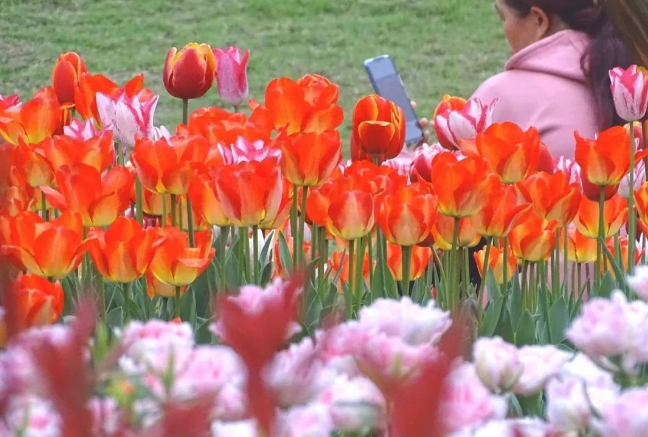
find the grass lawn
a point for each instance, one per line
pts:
(440, 46)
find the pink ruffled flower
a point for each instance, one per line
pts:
(402, 163)
(498, 363)
(525, 427)
(453, 127)
(254, 299)
(246, 428)
(129, 117)
(312, 420)
(630, 92)
(540, 363)
(639, 282)
(356, 405)
(410, 322)
(422, 161)
(231, 75)
(466, 402)
(626, 416)
(106, 416)
(31, 416)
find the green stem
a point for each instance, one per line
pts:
(294, 224)
(180, 215)
(525, 284)
(315, 234)
(245, 249)
(120, 153)
(601, 238)
(574, 290)
(127, 301)
(533, 286)
(44, 207)
(555, 267)
(174, 205)
(190, 224)
(407, 262)
(185, 110)
(302, 221)
(381, 264)
(505, 249)
(632, 232)
(644, 143)
(224, 231)
(371, 262)
(545, 297)
(101, 292)
(454, 267)
(164, 210)
(565, 258)
(485, 267)
(176, 306)
(255, 253)
(139, 201)
(358, 272)
(323, 258)
(351, 270)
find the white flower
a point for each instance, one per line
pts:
(540, 364)
(245, 428)
(356, 404)
(129, 117)
(498, 363)
(311, 420)
(639, 282)
(626, 416)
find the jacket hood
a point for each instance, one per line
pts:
(558, 55)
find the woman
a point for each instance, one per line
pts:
(557, 78)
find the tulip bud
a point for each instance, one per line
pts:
(378, 128)
(65, 77)
(189, 74)
(231, 75)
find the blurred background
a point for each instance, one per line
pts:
(439, 46)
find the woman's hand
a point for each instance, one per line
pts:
(425, 125)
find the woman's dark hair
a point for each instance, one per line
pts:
(605, 51)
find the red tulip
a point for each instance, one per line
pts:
(378, 128)
(205, 201)
(97, 152)
(231, 75)
(615, 213)
(501, 211)
(189, 74)
(496, 263)
(309, 159)
(65, 77)
(580, 249)
(39, 301)
(443, 229)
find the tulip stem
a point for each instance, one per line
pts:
(138, 202)
(371, 263)
(381, 264)
(180, 215)
(190, 224)
(302, 220)
(255, 253)
(120, 153)
(600, 239)
(185, 110)
(644, 144)
(323, 258)
(455, 266)
(565, 258)
(631, 214)
(315, 235)
(224, 231)
(359, 273)
(505, 264)
(533, 287)
(525, 284)
(174, 205)
(407, 262)
(44, 207)
(101, 292)
(127, 302)
(351, 269)
(176, 307)
(485, 267)
(555, 266)
(164, 210)
(293, 223)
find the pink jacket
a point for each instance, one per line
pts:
(544, 86)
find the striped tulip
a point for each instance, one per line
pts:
(630, 92)
(443, 228)
(65, 77)
(501, 211)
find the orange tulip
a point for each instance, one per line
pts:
(309, 159)
(623, 243)
(279, 269)
(51, 249)
(420, 259)
(205, 201)
(378, 128)
(158, 288)
(510, 152)
(533, 238)
(97, 152)
(16, 199)
(605, 161)
(406, 214)
(34, 121)
(501, 211)
(615, 213)
(552, 196)
(307, 105)
(31, 166)
(443, 228)
(152, 202)
(641, 202)
(123, 252)
(580, 249)
(379, 177)
(175, 262)
(461, 186)
(85, 95)
(339, 262)
(350, 212)
(189, 74)
(222, 127)
(319, 200)
(164, 166)
(39, 301)
(496, 263)
(82, 189)
(250, 192)
(65, 77)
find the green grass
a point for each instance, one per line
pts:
(440, 46)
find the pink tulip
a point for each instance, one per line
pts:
(231, 75)
(455, 126)
(630, 92)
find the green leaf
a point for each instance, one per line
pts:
(558, 320)
(203, 335)
(618, 270)
(265, 251)
(188, 307)
(525, 334)
(608, 284)
(115, 318)
(491, 317)
(284, 253)
(515, 302)
(493, 289)
(504, 327)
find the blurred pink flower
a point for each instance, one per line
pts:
(356, 404)
(31, 416)
(245, 150)
(311, 420)
(540, 363)
(630, 92)
(626, 416)
(231, 75)
(570, 167)
(497, 363)
(11, 102)
(422, 161)
(402, 163)
(246, 428)
(639, 282)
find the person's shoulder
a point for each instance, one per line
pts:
(498, 86)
